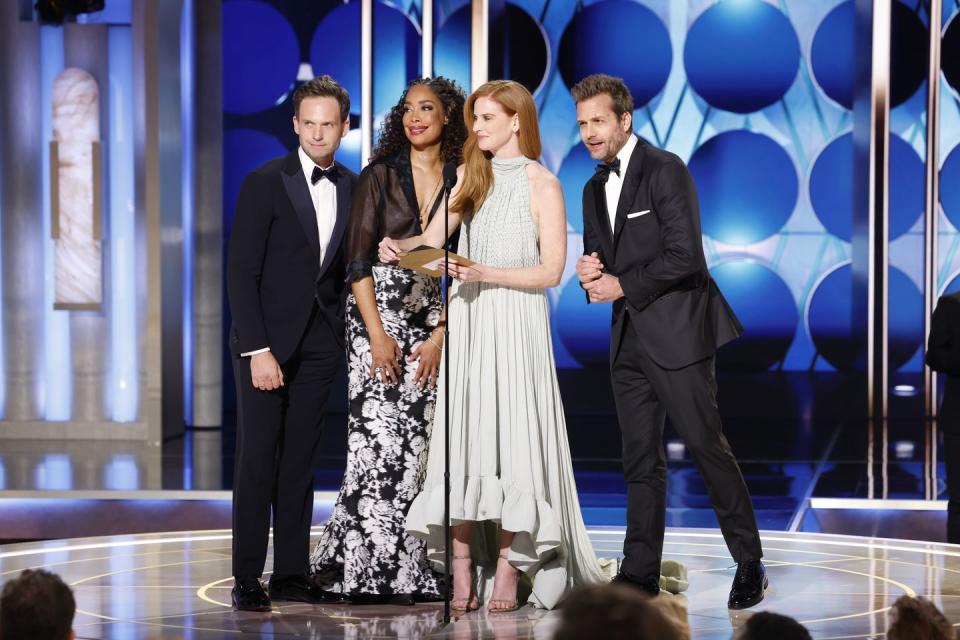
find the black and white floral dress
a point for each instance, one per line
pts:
(364, 547)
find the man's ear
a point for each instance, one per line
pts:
(73, 635)
(626, 121)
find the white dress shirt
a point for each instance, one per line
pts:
(615, 182)
(324, 197)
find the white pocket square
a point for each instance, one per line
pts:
(637, 214)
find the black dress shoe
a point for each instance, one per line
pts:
(301, 589)
(650, 586)
(248, 595)
(395, 599)
(748, 585)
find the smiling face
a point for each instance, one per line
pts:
(602, 132)
(495, 129)
(423, 117)
(320, 129)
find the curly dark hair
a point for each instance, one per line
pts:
(392, 138)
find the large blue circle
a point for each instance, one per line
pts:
(620, 38)
(451, 48)
(584, 328)
(830, 319)
(526, 48)
(952, 287)
(741, 55)
(766, 308)
(832, 54)
(831, 187)
(335, 50)
(950, 186)
(950, 53)
(748, 186)
(243, 151)
(260, 56)
(577, 168)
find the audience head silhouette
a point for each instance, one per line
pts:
(37, 604)
(767, 625)
(617, 613)
(918, 619)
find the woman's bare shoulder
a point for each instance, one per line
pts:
(542, 180)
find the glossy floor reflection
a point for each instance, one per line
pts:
(178, 586)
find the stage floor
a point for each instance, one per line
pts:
(178, 585)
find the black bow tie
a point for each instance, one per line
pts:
(330, 174)
(604, 169)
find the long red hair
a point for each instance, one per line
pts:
(478, 173)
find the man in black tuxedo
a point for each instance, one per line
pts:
(943, 355)
(643, 252)
(285, 280)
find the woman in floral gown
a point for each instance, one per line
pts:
(394, 342)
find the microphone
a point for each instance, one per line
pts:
(449, 175)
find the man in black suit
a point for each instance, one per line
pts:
(943, 355)
(285, 280)
(643, 252)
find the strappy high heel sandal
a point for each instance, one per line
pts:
(503, 606)
(470, 603)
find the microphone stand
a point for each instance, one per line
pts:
(446, 407)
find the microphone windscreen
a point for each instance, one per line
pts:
(449, 175)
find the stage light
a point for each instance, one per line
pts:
(675, 450)
(57, 11)
(904, 390)
(903, 449)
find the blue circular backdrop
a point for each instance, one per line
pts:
(451, 48)
(583, 328)
(831, 56)
(621, 38)
(577, 168)
(260, 55)
(246, 149)
(830, 318)
(527, 50)
(831, 186)
(747, 185)
(766, 308)
(335, 49)
(950, 186)
(741, 55)
(950, 53)
(952, 287)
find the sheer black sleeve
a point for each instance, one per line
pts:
(364, 232)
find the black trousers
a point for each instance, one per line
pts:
(951, 458)
(645, 394)
(278, 433)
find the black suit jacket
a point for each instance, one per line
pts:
(678, 312)
(943, 355)
(274, 272)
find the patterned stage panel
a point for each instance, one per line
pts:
(178, 586)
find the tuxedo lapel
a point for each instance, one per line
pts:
(631, 181)
(295, 184)
(603, 217)
(344, 193)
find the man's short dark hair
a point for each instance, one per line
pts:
(36, 605)
(767, 625)
(600, 83)
(322, 87)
